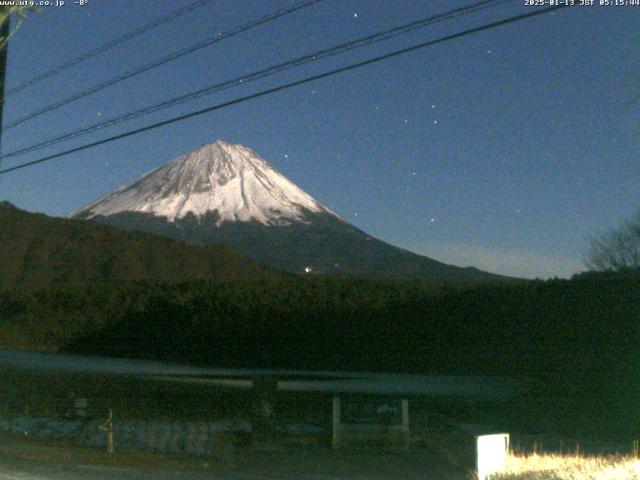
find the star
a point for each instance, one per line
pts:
(406, 121)
(286, 156)
(355, 15)
(99, 114)
(489, 52)
(433, 105)
(432, 220)
(413, 173)
(435, 122)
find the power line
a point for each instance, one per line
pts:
(286, 86)
(272, 70)
(162, 61)
(107, 46)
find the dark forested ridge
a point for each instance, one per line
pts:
(37, 249)
(575, 341)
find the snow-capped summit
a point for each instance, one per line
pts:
(228, 179)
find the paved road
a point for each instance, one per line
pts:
(24, 470)
(20, 470)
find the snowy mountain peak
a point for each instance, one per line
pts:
(221, 177)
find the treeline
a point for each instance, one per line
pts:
(576, 341)
(339, 323)
(40, 250)
(71, 315)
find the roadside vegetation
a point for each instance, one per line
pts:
(569, 467)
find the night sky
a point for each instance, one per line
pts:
(504, 150)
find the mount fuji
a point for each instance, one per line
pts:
(225, 193)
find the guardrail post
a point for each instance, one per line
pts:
(405, 423)
(107, 426)
(335, 443)
(264, 418)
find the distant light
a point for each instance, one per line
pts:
(355, 15)
(308, 269)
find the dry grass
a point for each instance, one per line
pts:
(570, 467)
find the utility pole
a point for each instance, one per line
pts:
(4, 34)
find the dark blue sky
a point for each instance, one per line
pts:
(502, 150)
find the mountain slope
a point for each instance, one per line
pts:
(225, 193)
(41, 250)
(320, 245)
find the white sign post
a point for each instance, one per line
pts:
(491, 452)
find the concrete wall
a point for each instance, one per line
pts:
(195, 438)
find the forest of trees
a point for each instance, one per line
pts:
(572, 340)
